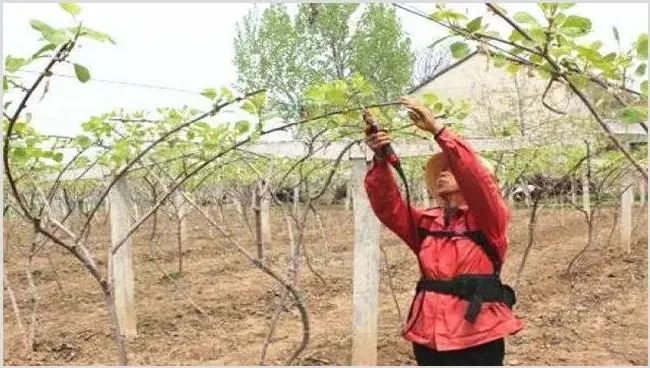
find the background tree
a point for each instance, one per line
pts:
(288, 55)
(431, 60)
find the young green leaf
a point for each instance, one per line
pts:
(210, 93)
(13, 64)
(82, 73)
(634, 115)
(120, 150)
(596, 45)
(576, 26)
(513, 68)
(71, 8)
(57, 156)
(642, 46)
(499, 60)
(57, 37)
(474, 25)
(227, 93)
(5, 85)
(523, 17)
(459, 50)
(242, 126)
(48, 47)
(83, 141)
(249, 107)
(429, 98)
(640, 70)
(91, 33)
(41, 26)
(565, 5)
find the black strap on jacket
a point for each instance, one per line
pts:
(474, 288)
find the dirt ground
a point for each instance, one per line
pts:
(596, 317)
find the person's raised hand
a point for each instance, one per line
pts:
(421, 116)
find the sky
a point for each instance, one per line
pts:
(186, 48)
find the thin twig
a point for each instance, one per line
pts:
(141, 154)
(548, 88)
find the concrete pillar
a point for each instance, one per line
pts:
(625, 220)
(122, 261)
(365, 296)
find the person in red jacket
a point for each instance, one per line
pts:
(461, 311)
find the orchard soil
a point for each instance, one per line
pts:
(595, 316)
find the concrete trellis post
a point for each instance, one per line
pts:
(366, 272)
(348, 196)
(122, 261)
(625, 220)
(296, 198)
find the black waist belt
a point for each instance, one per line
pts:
(474, 288)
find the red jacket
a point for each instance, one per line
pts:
(441, 325)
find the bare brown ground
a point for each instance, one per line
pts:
(601, 320)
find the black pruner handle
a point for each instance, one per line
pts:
(373, 127)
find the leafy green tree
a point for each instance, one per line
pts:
(289, 55)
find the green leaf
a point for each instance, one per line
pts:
(82, 73)
(41, 26)
(492, 34)
(609, 57)
(13, 64)
(83, 141)
(242, 126)
(640, 70)
(210, 93)
(565, 5)
(642, 46)
(71, 8)
(499, 60)
(596, 45)
(576, 26)
(644, 87)
(523, 17)
(429, 98)
(5, 85)
(95, 35)
(513, 68)
(474, 25)
(337, 97)
(633, 115)
(57, 37)
(459, 50)
(588, 53)
(537, 59)
(227, 93)
(120, 150)
(57, 156)
(249, 107)
(48, 47)
(538, 35)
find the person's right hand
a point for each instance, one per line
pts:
(377, 141)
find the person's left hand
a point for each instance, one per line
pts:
(421, 116)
